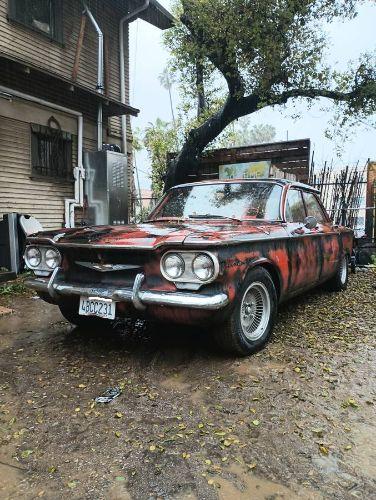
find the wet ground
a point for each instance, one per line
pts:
(297, 420)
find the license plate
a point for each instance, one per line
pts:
(96, 306)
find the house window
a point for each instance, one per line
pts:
(51, 152)
(44, 16)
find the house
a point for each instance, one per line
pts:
(64, 91)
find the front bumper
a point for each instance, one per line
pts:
(140, 299)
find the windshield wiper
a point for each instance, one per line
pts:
(212, 216)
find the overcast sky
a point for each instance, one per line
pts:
(148, 57)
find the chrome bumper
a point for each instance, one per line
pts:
(139, 298)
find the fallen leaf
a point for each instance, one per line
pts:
(256, 422)
(324, 450)
(26, 453)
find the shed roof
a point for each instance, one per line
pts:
(155, 14)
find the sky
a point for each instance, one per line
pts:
(148, 58)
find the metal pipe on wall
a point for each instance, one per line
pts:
(79, 172)
(131, 16)
(100, 75)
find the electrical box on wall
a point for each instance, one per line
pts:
(106, 188)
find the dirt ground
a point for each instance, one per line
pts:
(297, 420)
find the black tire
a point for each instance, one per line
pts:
(339, 281)
(84, 322)
(232, 336)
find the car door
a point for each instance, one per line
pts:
(303, 249)
(327, 236)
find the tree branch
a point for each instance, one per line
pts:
(336, 95)
(217, 57)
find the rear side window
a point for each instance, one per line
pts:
(295, 211)
(313, 207)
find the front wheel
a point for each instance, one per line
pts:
(84, 322)
(251, 323)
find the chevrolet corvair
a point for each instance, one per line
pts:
(221, 254)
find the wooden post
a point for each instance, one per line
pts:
(371, 201)
(80, 42)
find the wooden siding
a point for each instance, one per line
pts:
(18, 193)
(30, 47)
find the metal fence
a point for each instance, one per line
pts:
(343, 193)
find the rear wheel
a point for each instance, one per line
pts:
(339, 281)
(251, 323)
(86, 322)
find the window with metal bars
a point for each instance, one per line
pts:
(44, 16)
(51, 152)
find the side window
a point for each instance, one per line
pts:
(295, 211)
(44, 16)
(313, 207)
(51, 152)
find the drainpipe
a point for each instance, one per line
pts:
(131, 16)
(100, 84)
(78, 172)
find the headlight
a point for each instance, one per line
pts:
(33, 256)
(52, 258)
(203, 267)
(173, 265)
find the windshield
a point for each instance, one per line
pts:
(243, 200)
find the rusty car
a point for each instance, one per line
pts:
(221, 254)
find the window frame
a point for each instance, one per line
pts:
(300, 191)
(50, 177)
(323, 211)
(56, 14)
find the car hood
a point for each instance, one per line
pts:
(151, 235)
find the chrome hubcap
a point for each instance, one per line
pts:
(343, 272)
(255, 311)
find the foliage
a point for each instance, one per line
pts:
(243, 134)
(261, 54)
(16, 287)
(162, 137)
(159, 139)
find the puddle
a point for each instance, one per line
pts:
(10, 479)
(363, 453)
(177, 383)
(249, 486)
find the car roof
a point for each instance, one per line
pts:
(271, 180)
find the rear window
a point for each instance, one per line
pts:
(313, 207)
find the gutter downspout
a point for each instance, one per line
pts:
(78, 172)
(100, 83)
(126, 19)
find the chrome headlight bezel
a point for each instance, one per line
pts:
(188, 276)
(42, 266)
(180, 261)
(28, 258)
(56, 257)
(210, 266)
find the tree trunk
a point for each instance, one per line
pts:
(187, 161)
(201, 100)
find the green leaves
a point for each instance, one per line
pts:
(267, 51)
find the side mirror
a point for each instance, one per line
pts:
(310, 222)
